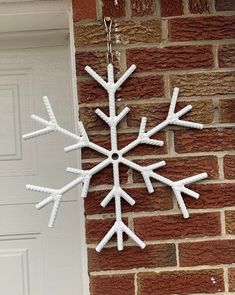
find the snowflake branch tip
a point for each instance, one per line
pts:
(102, 116)
(110, 86)
(49, 109)
(94, 75)
(119, 228)
(178, 188)
(190, 193)
(108, 198)
(143, 136)
(44, 202)
(114, 120)
(83, 139)
(155, 166)
(54, 212)
(117, 191)
(55, 196)
(173, 118)
(147, 173)
(125, 76)
(173, 101)
(40, 189)
(148, 182)
(40, 120)
(194, 178)
(83, 131)
(86, 177)
(188, 124)
(37, 133)
(74, 170)
(127, 197)
(123, 113)
(85, 187)
(74, 147)
(50, 125)
(184, 111)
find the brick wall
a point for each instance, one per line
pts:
(189, 44)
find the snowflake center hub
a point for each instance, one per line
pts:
(115, 156)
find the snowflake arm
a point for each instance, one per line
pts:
(55, 195)
(172, 119)
(53, 126)
(178, 187)
(117, 192)
(119, 227)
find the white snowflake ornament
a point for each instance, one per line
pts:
(115, 157)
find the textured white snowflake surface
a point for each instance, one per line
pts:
(115, 157)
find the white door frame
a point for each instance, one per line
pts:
(23, 18)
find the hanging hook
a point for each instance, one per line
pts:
(108, 27)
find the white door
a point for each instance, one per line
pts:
(35, 260)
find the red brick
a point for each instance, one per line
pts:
(96, 229)
(171, 58)
(90, 91)
(162, 255)
(84, 9)
(226, 55)
(229, 166)
(230, 222)
(113, 9)
(207, 140)
(157, 112)
(102, 140)
(204, 84)
(227, 110)
(207, 253)
(142, 7)
(91, 120)
(176, 227)
(216, 195)
(134, 88)
(123, 140)
(105, 176)
(171, 8)
(221, 5)
(161, 199)
(199, 6)
(231, 276)
(126, 32)
(113, 284)
(97, 61)
(181, 282)
(178, 168)
(202, 28)
(142, 88)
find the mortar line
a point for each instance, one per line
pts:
(158, 213)
(157, 270)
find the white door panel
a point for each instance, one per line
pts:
(35, 260)
(19, 257)
(40, 161)
(52, 255)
